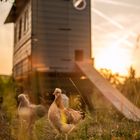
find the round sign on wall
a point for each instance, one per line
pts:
(79, 4)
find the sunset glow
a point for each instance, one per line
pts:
(113, 58)
(115, 31)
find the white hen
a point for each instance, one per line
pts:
(63, 119)
(29, 112)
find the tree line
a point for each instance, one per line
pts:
(129, 85)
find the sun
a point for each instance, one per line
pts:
(115, 58)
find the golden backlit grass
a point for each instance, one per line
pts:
(104, 123)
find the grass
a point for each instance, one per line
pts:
(105, 123)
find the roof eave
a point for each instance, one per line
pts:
(11, 16)
(15, 10)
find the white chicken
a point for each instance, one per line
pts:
(63, 119)
(29, 112)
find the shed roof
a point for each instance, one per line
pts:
(17, 7)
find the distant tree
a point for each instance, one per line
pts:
(1, 86)
(114, 79)
(131, 87)
(128, 85)
(132, 73)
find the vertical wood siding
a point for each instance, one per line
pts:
(22, 45)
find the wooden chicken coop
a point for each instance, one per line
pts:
(49, 37)
(52, 48)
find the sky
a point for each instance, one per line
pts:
(115, 30)
(6, 41)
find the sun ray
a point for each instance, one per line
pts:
(118, 3)
(118, 25)
(113, 22)
(122, 40)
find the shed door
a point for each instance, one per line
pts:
(79, 55)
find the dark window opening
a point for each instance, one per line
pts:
(20, 29)
(25, 21)
(79, 55)
(15, 36)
